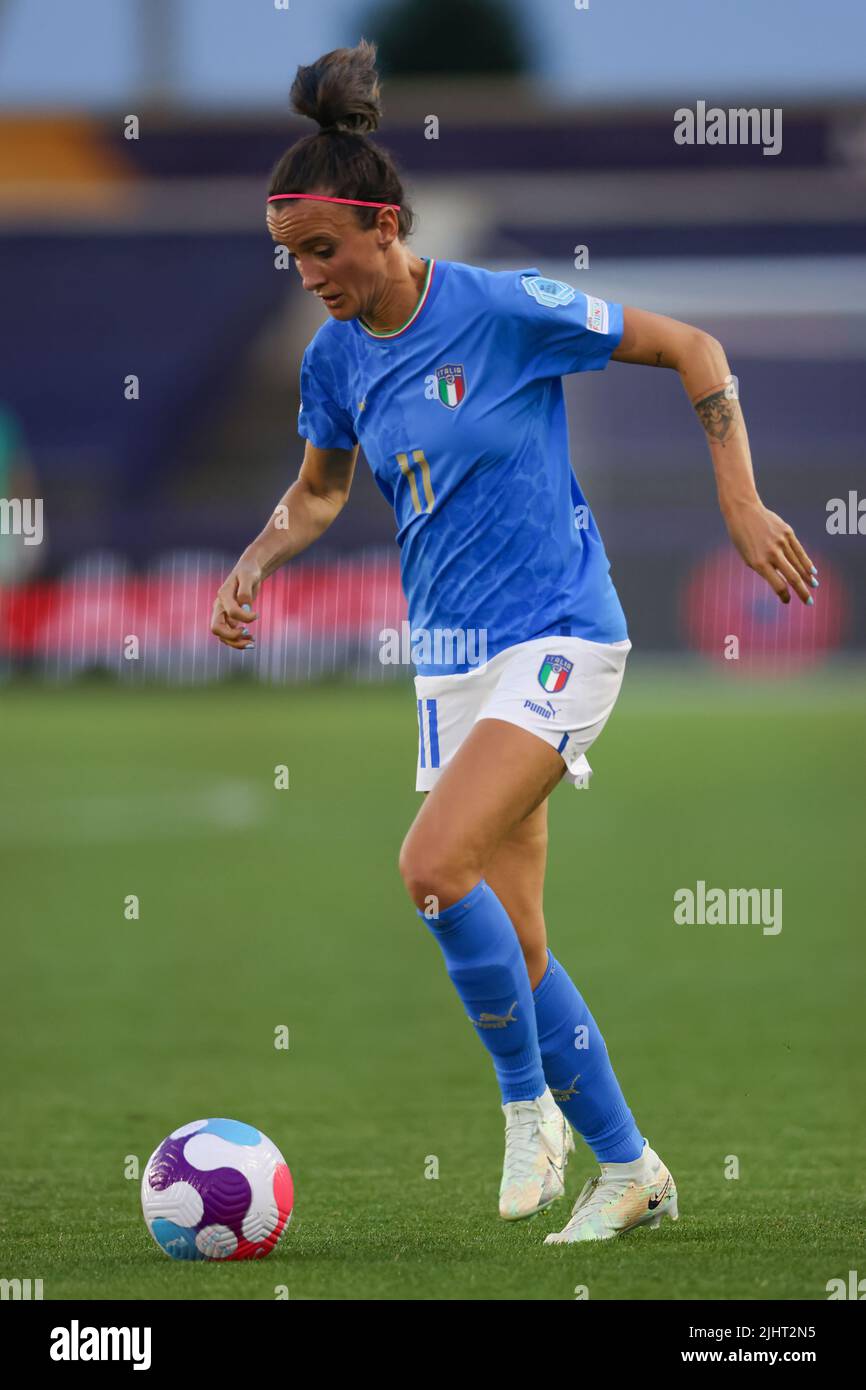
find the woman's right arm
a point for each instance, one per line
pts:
(301, 516)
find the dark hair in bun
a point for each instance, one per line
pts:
(341, 92)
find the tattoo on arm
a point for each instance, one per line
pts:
(658, 361)
(717, 414)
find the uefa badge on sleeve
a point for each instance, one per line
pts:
(554, 673)
(550, 293)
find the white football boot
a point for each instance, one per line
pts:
(623, 1196)
(538, 1140)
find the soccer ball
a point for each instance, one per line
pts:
(216, 1190)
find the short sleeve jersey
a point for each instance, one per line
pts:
(461, 417)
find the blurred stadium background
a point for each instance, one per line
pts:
(152, 777)
(148, 256)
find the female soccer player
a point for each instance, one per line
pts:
(450, 377)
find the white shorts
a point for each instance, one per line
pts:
(560, 688)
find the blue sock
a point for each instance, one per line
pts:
(486, 966)
(578, 1070)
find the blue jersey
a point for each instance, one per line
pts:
(461, 416)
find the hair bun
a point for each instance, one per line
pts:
(340, 91)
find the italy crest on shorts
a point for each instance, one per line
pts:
(555, 671)
(451, 385)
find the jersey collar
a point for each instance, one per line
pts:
(391, 333)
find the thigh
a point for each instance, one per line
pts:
(499, 775)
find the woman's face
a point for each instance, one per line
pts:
(337, 260)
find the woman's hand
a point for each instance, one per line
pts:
(311, 504)
(233, 606)
(769, 547)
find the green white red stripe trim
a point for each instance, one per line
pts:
(395, 332)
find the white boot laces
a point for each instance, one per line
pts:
(521, 1148)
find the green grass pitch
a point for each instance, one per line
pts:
(262, 907)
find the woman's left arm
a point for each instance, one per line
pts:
(766, 542)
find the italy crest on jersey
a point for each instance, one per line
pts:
(555, 671)
(450, 385)
(550, 293)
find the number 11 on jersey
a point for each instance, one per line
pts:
(408, 471)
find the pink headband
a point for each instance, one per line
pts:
(323, 198)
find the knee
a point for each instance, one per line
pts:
(422, 872)
(435, 876)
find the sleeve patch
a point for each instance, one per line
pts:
(597, 316)
(550, 293)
